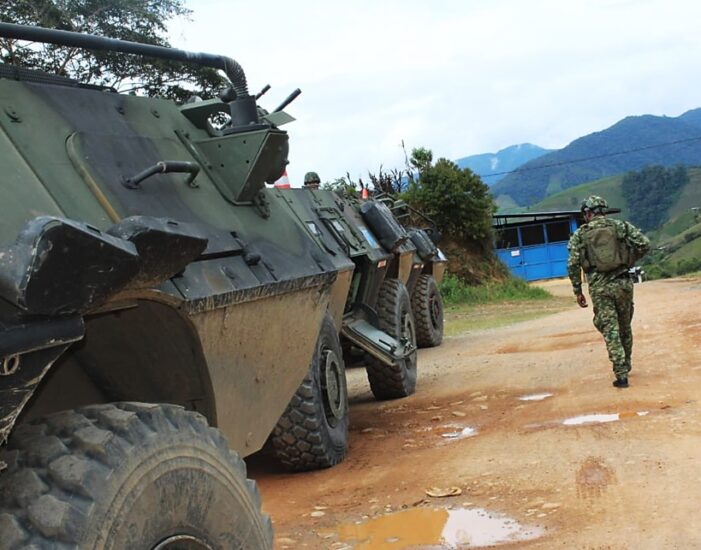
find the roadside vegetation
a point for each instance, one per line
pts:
(456, 292)
(495, 304)
(452, 201)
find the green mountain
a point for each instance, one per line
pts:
(491, 166)
(630, 144)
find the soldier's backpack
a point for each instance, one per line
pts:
(604, 251)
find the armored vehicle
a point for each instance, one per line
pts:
(426, 299)
(162, 312)
(393, 290)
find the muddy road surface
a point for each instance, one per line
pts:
(516, 439)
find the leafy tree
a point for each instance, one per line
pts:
(341, 185)
(456, 199)
(421, 159)
(134, 20)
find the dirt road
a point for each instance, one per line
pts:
(523, 422)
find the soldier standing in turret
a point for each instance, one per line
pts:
(605, 249)
(311, 180)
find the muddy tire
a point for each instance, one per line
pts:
(127, 475)
(427, 305)
(397, 320)
(312, 433)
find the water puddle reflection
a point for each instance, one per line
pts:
(588, 419)
(436, 528)
(535, 397)
(467, 431)
(600, 418)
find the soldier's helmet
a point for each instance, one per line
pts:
(594, 203)
(311, 178)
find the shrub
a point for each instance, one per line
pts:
(455, 291)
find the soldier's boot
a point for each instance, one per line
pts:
(621, 382)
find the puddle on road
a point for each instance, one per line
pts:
(535, 397)
(588, 419)
(436, 528)
(600, 418)
(467, 431)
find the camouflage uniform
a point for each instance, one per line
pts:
(611, 292)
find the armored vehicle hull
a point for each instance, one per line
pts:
(159, 304)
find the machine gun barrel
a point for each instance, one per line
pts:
(290, 98)
(262, 92)
(79, 40)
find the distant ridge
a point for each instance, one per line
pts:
(642, 140)
(502, 161)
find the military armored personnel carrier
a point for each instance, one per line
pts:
(431, 263)
(162, 312)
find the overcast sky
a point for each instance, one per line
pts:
(459, 77)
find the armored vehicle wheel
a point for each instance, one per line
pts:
(312, 433)
(396, 319)
(427, 304)
(127, 475)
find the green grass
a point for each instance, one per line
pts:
(455, 292)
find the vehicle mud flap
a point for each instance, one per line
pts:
(27, 352)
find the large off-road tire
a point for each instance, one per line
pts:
(127, 475)
(397, 320)
(427, 304)
(312, 433)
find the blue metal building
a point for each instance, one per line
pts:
(534, 245)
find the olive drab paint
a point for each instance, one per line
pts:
(218, 282)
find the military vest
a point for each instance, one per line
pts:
(603, 250)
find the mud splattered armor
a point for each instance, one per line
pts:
(611, 292)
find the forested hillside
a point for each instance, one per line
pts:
(651, 192)
(630, 144)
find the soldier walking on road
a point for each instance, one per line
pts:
(605, 249)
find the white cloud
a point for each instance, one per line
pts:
(459, 77)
